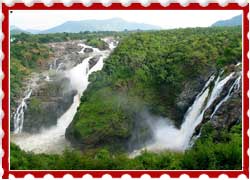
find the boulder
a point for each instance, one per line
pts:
(93, 61)
(88, 50)
(47, 104)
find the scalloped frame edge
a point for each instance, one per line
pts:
(119, 173)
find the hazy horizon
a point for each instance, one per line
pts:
(38, 20)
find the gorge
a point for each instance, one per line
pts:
(159, 99)
(52, 139)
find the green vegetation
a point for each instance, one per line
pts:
(209, 152)
(61, 37)
(25, 56)
(30, 53)
(97, 42)
(147, 71)
(18, 73)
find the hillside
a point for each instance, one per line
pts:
(235, 21)
(16, 30)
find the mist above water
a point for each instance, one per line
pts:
(167, 137)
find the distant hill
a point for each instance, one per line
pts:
(235, 21)
(17, 30)
(33, 31)
(114, 24)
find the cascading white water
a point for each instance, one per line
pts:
(47, 78)
(53, 140)
(112, 43)
(235, 85)
(58, 67)
(166, 136)
(19, 114)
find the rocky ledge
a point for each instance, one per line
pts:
(47, 103)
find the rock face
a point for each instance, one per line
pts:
(53, 95)
(93, 61)
(47, 104)
(190, 90)
(66, 53)
(229, 112)
(88, 50)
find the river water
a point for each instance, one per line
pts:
(52, 140)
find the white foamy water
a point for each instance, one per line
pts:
(19, 114)
(235, 85)
(167, 136)
(52, 140)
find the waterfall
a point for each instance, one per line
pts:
(55, 64)
(58, 67)
(52, 140)
(235, 85)
(167, 136)
(112, 43)
(19, 114)
(47, 78)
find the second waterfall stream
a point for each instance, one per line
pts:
(53, 140)
(167, 136)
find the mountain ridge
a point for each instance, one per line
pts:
(234, 21)
(112, 24)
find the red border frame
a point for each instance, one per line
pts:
(119, 173)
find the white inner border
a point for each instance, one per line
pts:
(243, 120)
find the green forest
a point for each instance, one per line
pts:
(146, 72)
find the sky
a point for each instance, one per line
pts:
(45, 19)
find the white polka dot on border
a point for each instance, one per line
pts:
(1, 16)
(67, 177)
(87, 3)
(184, 176)
(165, 177)
(242, 3)
(48, 177)
(28, 3)
(11, 176)
(164, 3)
(29, 177)
(203, 3)
(204, 177)
(1, 78)
(1, 55)
(223, 3)
(87, 177)
(9, 3)
(106, 177)
(242, 177)
(184, 3)
(223, 177)
(145, 177)
(107, 3)
(125, 3)
(145, 3)
(1, 37)
(126, 177)
(48, 3)
(67, 3)
(2, 133)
